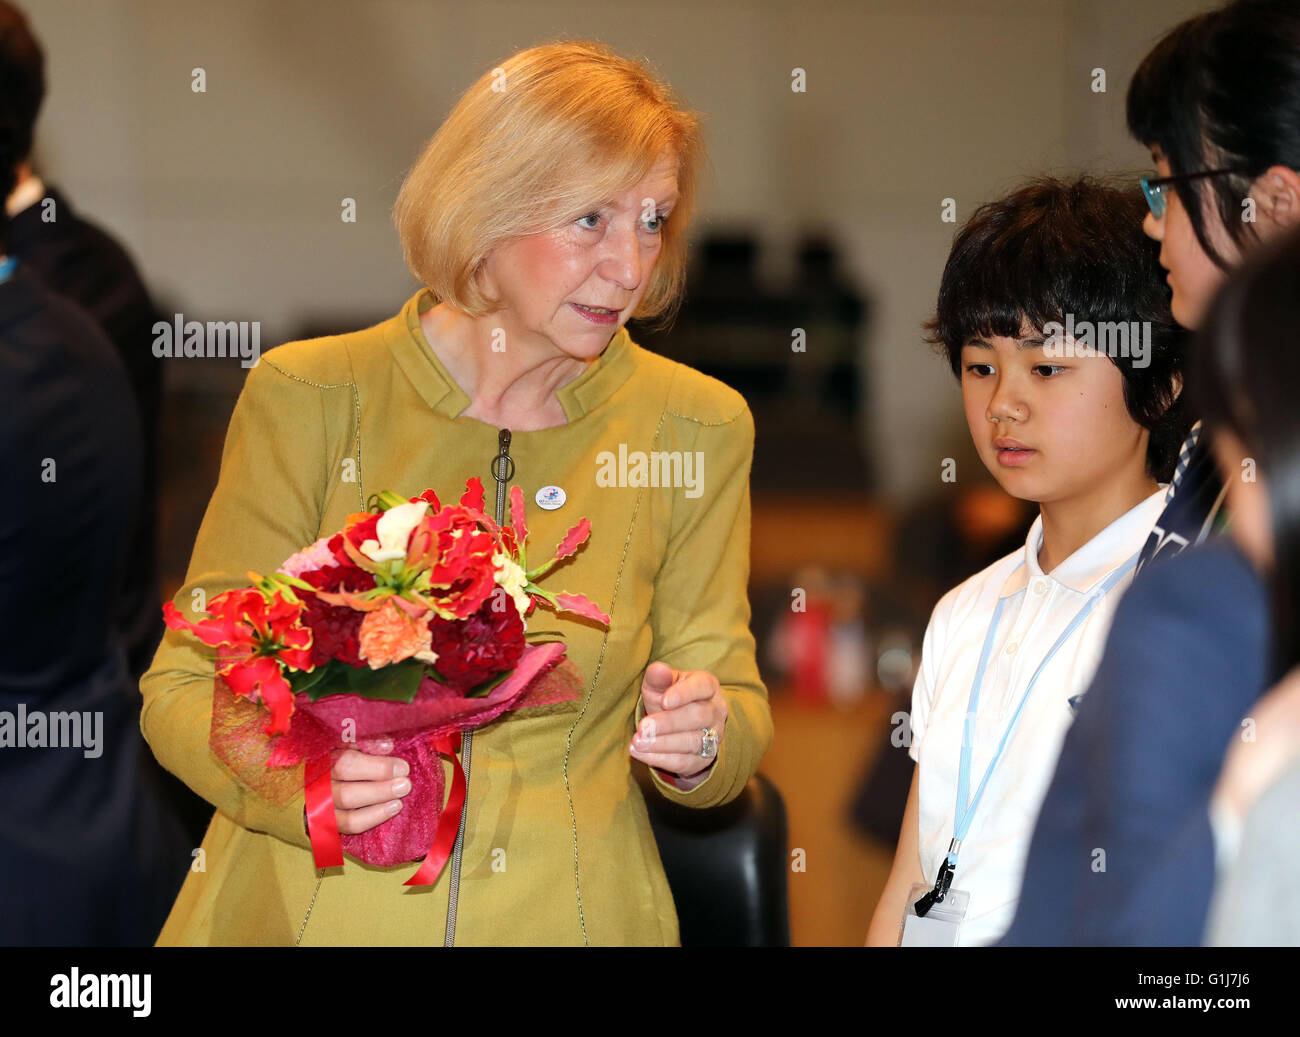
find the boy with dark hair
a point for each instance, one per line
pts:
(1083, 424)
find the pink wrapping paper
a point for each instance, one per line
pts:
(543, 676)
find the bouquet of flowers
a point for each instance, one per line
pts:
(409, 626)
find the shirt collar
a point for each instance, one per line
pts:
(440, 391)
(25, 195)
(1101, 555)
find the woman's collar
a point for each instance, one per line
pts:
(439, 390)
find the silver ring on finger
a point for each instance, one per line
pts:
(708, 742)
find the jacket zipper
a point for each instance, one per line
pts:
(503, 470)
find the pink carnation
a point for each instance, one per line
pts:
(309, 559)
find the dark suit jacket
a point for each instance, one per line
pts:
(78, 260)
(1185, 660)
(88, 855)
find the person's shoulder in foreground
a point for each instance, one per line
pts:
(1169, 603)
(1258, 903)
(1185, 659)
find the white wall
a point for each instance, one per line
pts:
(230, 199)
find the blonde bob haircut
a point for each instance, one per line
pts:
(552, 134)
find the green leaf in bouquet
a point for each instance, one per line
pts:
(315, 681)
(385, 500)
(478, 691)
(396, 683)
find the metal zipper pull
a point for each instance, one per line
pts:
(503, 470)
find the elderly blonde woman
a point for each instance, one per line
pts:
(550, 207)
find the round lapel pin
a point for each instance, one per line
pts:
(550, 497)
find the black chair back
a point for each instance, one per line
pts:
(726, 866)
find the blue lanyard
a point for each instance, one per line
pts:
(966, 806)
(7, 268)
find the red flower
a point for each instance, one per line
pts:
(335, 628)
(360, 528)
(259, 677)
(261, 636)
(509, 545)
(473, 650)
(459, 558)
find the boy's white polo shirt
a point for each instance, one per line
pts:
(1038, 607)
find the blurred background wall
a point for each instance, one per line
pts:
(230, 201)
(230, 198)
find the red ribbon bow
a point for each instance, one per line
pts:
(322, 826)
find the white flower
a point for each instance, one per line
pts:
(512, 579)
(394, 532)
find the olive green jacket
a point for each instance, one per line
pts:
(558, 849)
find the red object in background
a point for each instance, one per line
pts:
(809, 644)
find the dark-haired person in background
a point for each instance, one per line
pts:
(1124, 849)
(1089, 436)
(1247, 380)
(89, 855)
(80, 261)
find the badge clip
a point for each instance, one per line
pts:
(942, 882)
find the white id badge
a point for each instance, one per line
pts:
(941, 924)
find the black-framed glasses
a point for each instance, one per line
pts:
(1154, 189)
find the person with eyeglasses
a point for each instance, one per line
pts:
(1124, 851)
